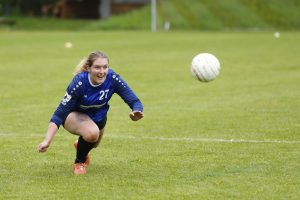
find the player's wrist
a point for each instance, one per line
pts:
(47, 142)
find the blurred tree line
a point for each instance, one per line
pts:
(23, 7)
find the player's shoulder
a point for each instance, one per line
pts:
(116, 79)
(112, 74)
(80, 78)
(81, 75)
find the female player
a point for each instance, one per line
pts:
(83, 109)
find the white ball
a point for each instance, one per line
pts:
(205, 67)
(277, 35)
(68, 45)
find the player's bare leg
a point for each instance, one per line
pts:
(82, 125)
(100, 138)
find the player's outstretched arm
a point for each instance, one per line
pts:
(136, 115)
(52, 129)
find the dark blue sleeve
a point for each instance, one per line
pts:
(68, 103)
(124, 91)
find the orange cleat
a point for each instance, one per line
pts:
(79, 168)
(87, 159)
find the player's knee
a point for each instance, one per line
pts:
(92, 135)
(99, 139)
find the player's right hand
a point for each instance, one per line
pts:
(136, 115)
(42, 147)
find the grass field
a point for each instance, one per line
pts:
(234, 138)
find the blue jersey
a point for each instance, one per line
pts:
(83, 96)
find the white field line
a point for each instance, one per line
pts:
(191, 139)
(183, 139)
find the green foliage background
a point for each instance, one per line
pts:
(186, 15)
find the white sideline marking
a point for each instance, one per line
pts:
(201, 139)
(184, 139)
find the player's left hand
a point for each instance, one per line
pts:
(136, 115)
(42, 147)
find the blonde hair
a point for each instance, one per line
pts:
(85, 63)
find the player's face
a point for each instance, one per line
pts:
(98, 71)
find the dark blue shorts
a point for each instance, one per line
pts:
(102, 123)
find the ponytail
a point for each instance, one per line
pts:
(82, 66)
